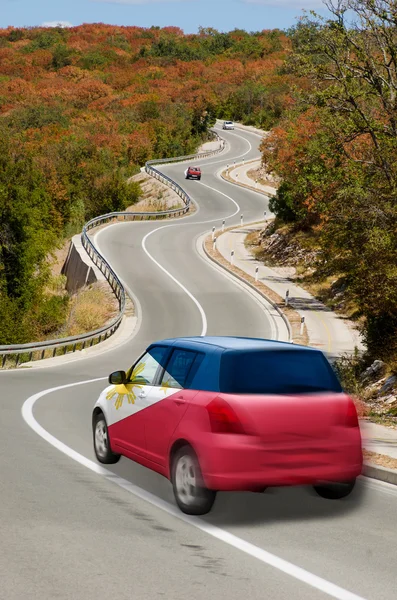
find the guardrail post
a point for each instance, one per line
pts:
(256, 273)
(3, 362)
(213, 232)
(214, 244)
(232, 257)
(223, 225)
(302, 325)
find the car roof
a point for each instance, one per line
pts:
(232, 343)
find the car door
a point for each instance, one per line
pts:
(130, 400)
(168, 401)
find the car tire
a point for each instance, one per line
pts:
(199, 178)
(335, 491)
(192, 497)
(102, 448)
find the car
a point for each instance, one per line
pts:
(193, 173)
(231, 414)
(228, 125)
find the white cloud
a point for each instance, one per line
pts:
(57, 24)
(301, 4)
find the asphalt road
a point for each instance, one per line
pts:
(72, 529)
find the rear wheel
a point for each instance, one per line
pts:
(102, 448)
(335, 491)
(199, 178)
(192, 497)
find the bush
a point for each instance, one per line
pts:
(51, 314)
(61, 57)
(36, 117)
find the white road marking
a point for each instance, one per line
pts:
(196, 302)
(228, 538)
(200, 160)
(261, 302)
(226, 196)
(216, 161)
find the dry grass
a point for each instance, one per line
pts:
(380, 459)
(92, 307)
(255, 175)
(156, 196)
(292, 316)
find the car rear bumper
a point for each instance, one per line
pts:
(246, 465)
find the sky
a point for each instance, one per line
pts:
(189, 15)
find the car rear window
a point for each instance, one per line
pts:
(276, 372)
(195, 169)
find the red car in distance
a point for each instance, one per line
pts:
(193, 173)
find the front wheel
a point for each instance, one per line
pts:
(102, 448)
(192, 497)
(335, 491)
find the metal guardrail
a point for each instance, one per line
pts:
(20, 353)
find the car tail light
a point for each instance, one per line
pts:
(351, 416)
(223, 419)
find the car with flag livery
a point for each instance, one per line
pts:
(229, 413)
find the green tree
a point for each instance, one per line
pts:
(351, 64)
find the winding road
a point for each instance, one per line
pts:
(71, 529)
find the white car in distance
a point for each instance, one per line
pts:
(228, 125)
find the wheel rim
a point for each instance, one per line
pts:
(186, 480)
(101, 439)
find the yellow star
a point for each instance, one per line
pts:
(166, 386)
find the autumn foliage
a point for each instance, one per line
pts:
(81, 109)
(335, 150)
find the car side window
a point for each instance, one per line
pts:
(178, 369)
(145, 370)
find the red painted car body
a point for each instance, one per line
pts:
(242, 441)
(193, 173)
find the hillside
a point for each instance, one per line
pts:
(81, 109)
(335, 151)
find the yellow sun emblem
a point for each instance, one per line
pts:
(127, 389)
(166, 386)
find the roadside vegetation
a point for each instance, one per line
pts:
(335, 151)
(81, 109)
